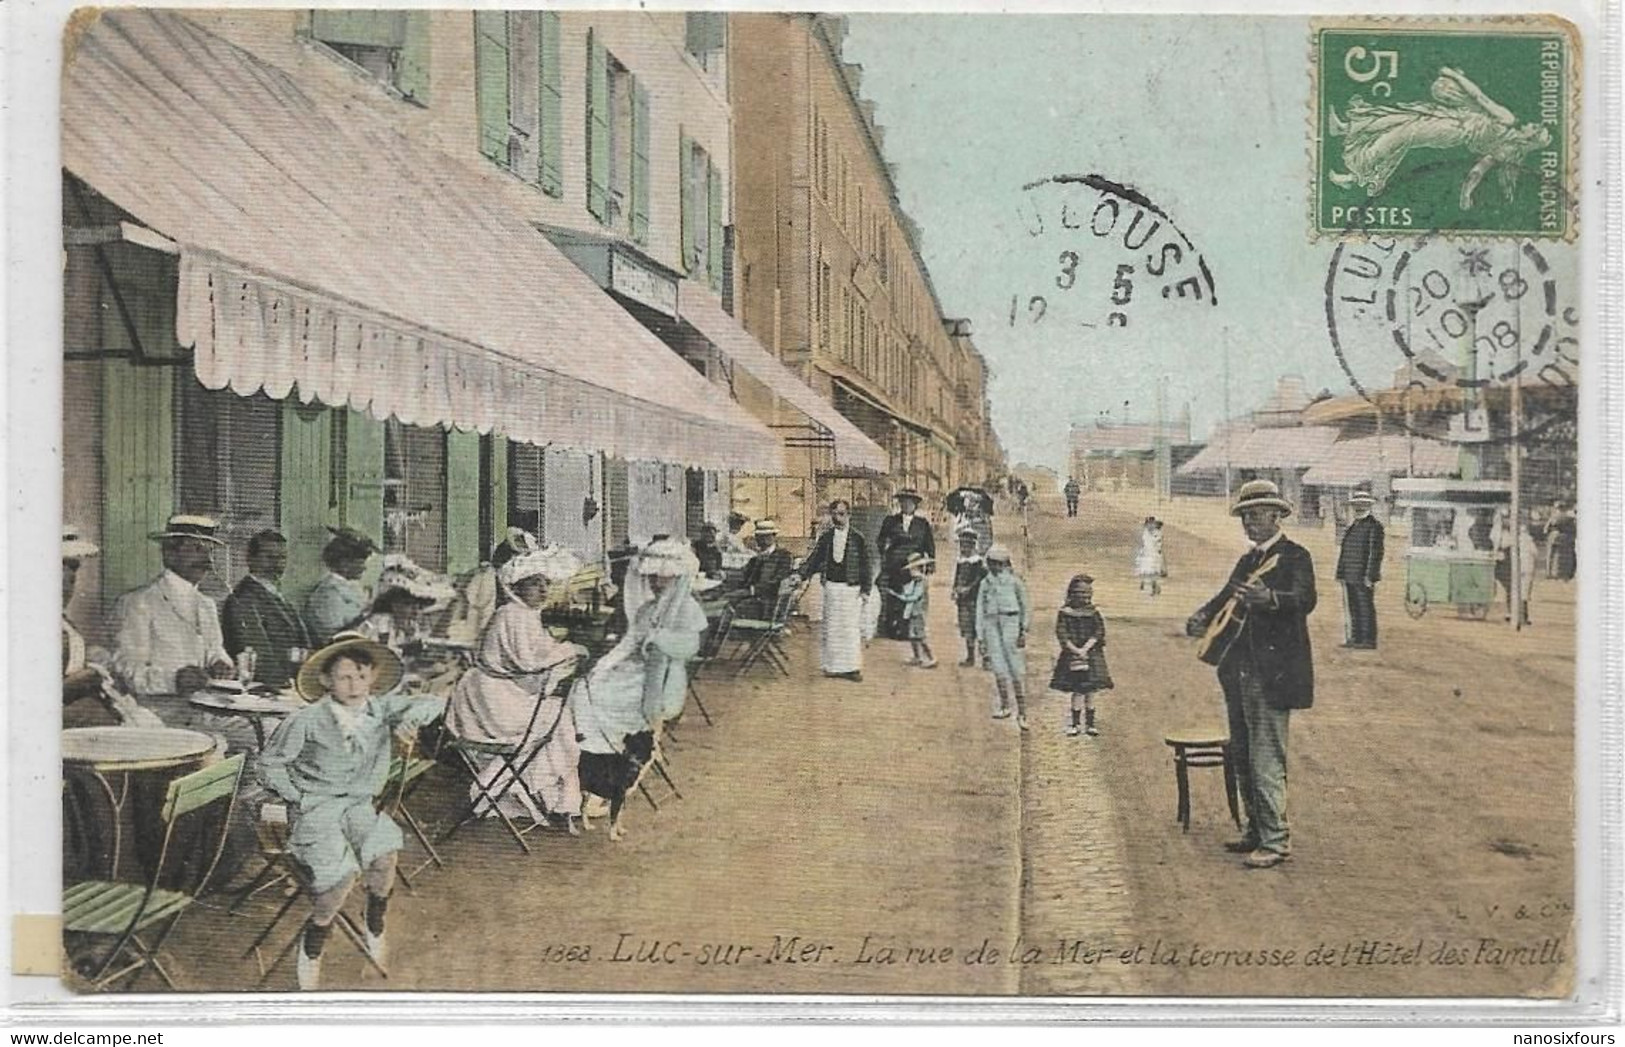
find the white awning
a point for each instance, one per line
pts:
(320, 246)
(852, 448)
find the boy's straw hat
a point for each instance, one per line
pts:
(386, 665)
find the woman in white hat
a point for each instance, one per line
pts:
(518, 665)
(643, 682)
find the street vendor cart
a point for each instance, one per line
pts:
(1452, 555)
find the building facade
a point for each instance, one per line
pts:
(829, 274)
(358, 322)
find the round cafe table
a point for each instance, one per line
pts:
(255, 708)
(105, 753)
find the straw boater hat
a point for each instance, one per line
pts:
(386, 664)
(75, 547)
(766, 527)
(997, 554)
(554, 563)
(668, 557)
(917, 560)
(189, 525)
(1362, 498)
(908, 492)
(1255, 494)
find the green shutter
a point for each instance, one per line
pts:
(305, 506)
(491, 82)
(497, 495)
(462, 501)
(138, 472)
(686, 203)
(713, 211)
(412, 75)
(597, 128)
(363, 507)
(617, 498)
(640, 163)
(551, 85)
(361, 28)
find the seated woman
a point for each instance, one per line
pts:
(643, 682)
(328, 762)
(519, 664)
(406, 593)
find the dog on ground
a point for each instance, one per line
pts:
(613, 775)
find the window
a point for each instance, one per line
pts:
(617, 143)
(227, 462)
(414, 493)
(702, 212)
(707, 38)
(518, 94)
(823, 158)
(393, 46)
(824, 317)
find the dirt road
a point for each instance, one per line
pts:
(890, 837)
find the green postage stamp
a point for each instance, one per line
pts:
(1461, 127)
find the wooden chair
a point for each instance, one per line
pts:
(406, 771)
(123, 911)
(514, 759)
(1202, 748)
(348, 925)
(716, 637)
(763, 638)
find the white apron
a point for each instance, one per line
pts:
(841, 633)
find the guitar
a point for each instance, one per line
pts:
(1222, 630)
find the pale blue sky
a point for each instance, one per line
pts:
(1207, 116)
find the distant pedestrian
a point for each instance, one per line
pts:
(1071, 490)
(1148, 562)
(1003, 615)
(968, 574)
(1359, 568)
(915, 600)
(1080, 669)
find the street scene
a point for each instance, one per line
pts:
(572, 501)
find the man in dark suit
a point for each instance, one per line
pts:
(257, 615)
(1265, 668)
(759, 585)
(902, 534)
(1359, 568)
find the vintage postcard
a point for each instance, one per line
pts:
(880, 504)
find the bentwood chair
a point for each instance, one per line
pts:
(126, 912)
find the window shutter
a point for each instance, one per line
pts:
(706, 31)
(617, 498)
(363, 507)
(495, 449)
(463, 497)
(686, 202)
(138, 472)
(640, 163)
(359, 28)
(551, 150)
(597, 128)
(713, 211)
(491, 82)
(412, 75)
(306, 509)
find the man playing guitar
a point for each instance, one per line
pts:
(1256, 630)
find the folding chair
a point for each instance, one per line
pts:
(406, 771)
(346, 923)
(511, 769)
(764, 636)
(710, 650)
(109, 908)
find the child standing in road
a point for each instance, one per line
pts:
(1148, 561)
(1080, 670)
(1003, 614)
(916, 600)
(968, 575)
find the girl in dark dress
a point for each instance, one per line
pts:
(1081, 670)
